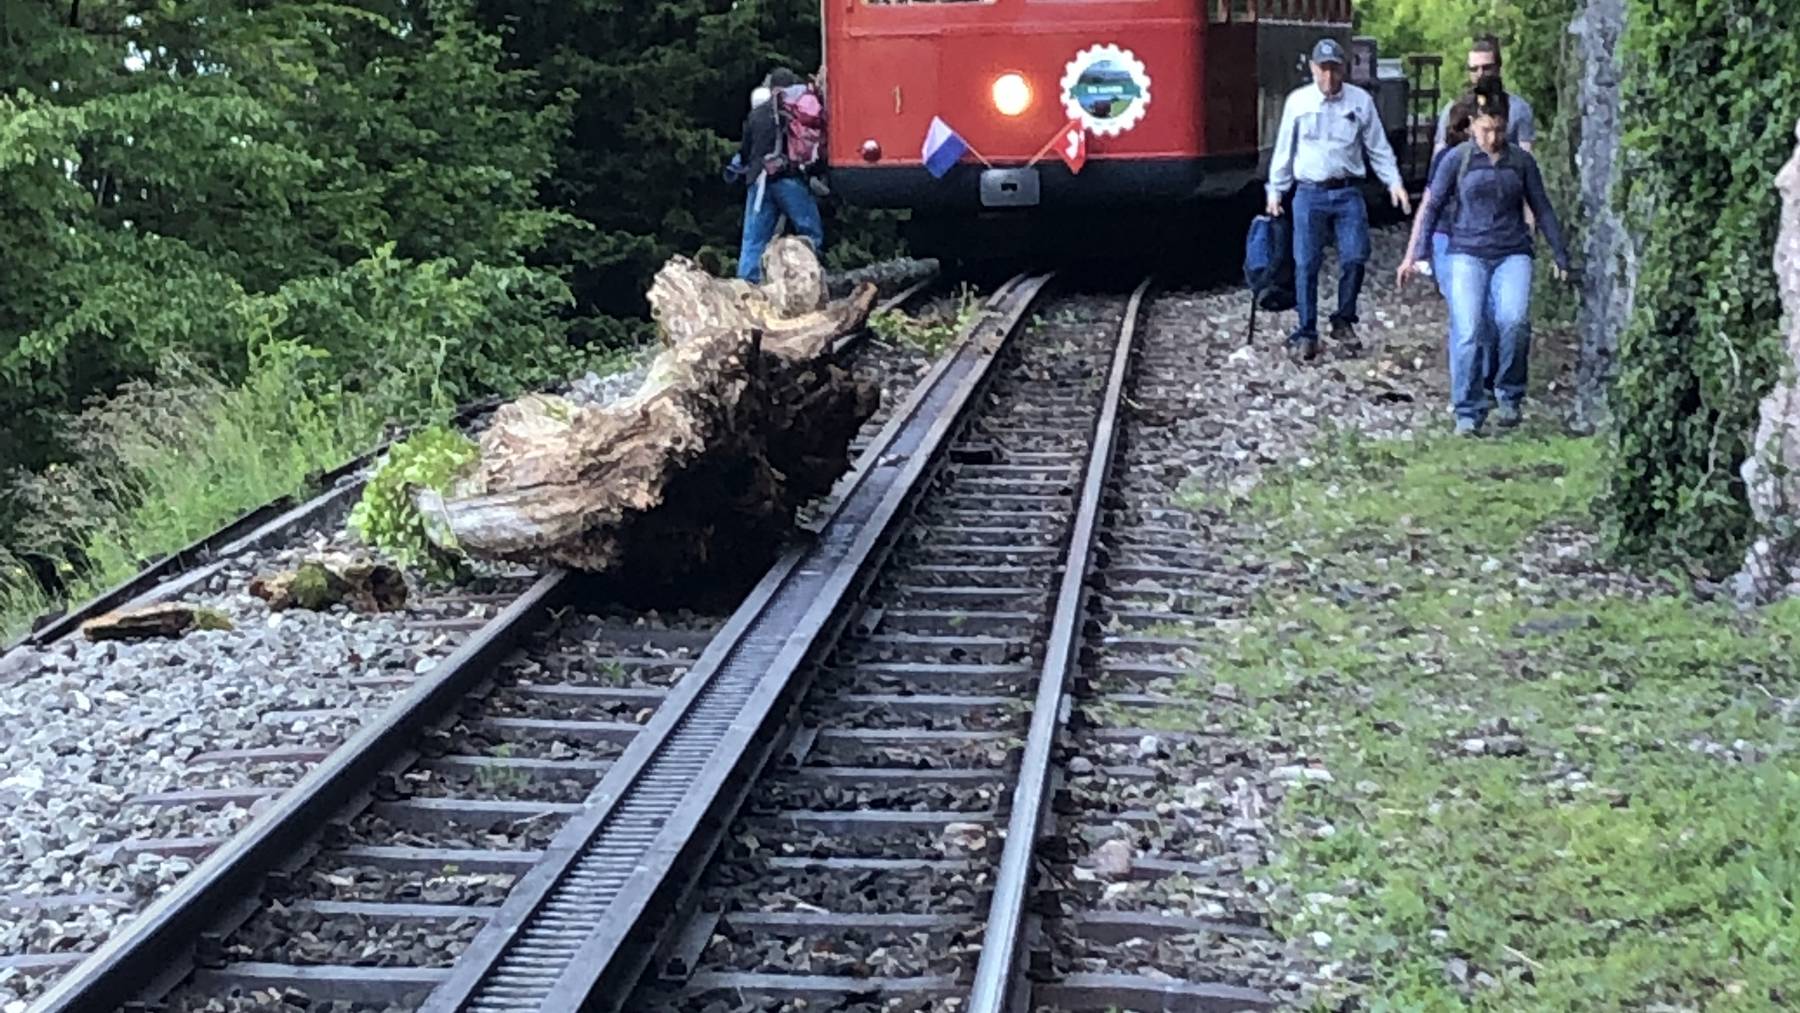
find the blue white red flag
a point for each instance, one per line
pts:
(943, 148)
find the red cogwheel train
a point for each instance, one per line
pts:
(1073, 105)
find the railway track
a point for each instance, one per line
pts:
(937, 761)
(256, 756)
(991, 800)
(362, 881)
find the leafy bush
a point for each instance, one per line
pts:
(1710, 105)
(319, 168)
(386, 518)
(417, 339)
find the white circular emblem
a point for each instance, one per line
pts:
(1106, 88)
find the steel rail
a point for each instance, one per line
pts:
(996, 974)
(578, 930)
(158, 944)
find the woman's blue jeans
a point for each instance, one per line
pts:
(1490, 347)
(1488, 295)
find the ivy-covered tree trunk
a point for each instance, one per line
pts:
(1711, 92)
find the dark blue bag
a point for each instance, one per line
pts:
(1269, 263)
(1269, 267)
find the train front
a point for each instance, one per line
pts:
(962, 107)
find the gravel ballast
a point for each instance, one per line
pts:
(90, 727)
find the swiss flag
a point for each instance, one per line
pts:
(1071, 144)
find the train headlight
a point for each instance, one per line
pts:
(1012, 95)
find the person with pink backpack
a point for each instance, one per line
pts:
(783, 143)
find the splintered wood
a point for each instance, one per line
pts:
(698, 474)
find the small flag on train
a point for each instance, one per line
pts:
(943, 148)
(1072, 146)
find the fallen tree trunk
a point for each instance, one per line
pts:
(740, 420)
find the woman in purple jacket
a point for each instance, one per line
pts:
(1488, 260)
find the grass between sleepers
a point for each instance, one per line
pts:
(1551, 787)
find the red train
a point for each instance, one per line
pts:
(1175, 101)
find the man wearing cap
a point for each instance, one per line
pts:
(1330, 136)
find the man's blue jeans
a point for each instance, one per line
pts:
(1321, 215)
(788, 196)
(1496, 293)
(1490, 346)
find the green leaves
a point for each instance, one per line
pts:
(1710, 110)
(201, 175)
(386, 518)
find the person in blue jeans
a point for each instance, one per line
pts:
(1489, 259)
(1455, 126)
(770, 197)
(1330, 136)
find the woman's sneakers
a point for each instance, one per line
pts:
(1506, 416)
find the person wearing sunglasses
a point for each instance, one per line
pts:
(1484, 64)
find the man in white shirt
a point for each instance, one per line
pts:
(1330, 136)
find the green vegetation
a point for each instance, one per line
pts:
(163, 465)
(1709, 114)
(386, 518)
(240, 238)
(933, 330)
(1551, 786)
(410, 204)
(199, 178)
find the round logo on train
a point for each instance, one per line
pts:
(1106, 88)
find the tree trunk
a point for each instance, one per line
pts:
(1609, 253)
(740, 420)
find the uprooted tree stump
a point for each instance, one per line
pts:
(320, 583)
(698, 475)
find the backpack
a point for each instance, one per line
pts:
(799, 130)
(1269, 266)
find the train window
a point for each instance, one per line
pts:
(918, 3)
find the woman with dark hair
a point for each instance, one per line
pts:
(1456, 131)
(1487, 262)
